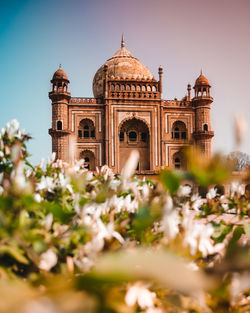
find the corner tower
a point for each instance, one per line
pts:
(60, 98)
(201, 102)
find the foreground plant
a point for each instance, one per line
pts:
(76, 241)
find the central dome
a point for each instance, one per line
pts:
(122, 65)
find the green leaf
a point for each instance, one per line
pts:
(221, 231)
(170, 180)
(14, 252)
(239, 230)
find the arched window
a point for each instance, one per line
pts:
(132, 136)
(149, 88)
(144, 137)
(179, 130)
(177, 162)
(204, 91)
(122, 87)
(59, 86)
(154, 89)
(89, 159)
(127, 87)
(138, 88)
(112, 87)
(205, 127)
(121, 136)
(133, 88)
(59, 125)
(117, 87)
(86, 129)
(143, 89)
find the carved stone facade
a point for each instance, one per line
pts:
(126, 113)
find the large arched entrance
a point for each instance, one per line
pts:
(134, 135)
(89, 159)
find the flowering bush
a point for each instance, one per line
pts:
(76, 241)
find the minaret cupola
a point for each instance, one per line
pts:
(202, 86)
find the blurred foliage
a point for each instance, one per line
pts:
(75, 241)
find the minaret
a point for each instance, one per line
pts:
(60, 129)
(201, 102)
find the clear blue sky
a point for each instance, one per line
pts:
(181, 35)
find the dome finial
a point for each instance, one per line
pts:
(60, 65)
(122, 41)
(201, 71)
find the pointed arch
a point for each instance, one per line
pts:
(89, 159)
(179, 130)
(86, 129)
(134, 134)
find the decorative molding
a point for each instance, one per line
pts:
(174, 145)
(98, 144)
(180, 115)
(91, 118)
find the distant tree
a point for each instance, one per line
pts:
(242, 160)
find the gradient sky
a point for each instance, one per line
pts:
(183, 36)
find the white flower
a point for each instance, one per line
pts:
(138, 293)
(12, 128)
(184, 191)
(45, 183)
(197, 202)
(48, 260)
(197, 237)
(237, 189)
(170, 224)
(106, 172)
(37, 197)
(211, 193)
(52, 160)
(205, 246)
(114, 183)
(64, 182)
(224, 203)
(89, 176)
(108, 231)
